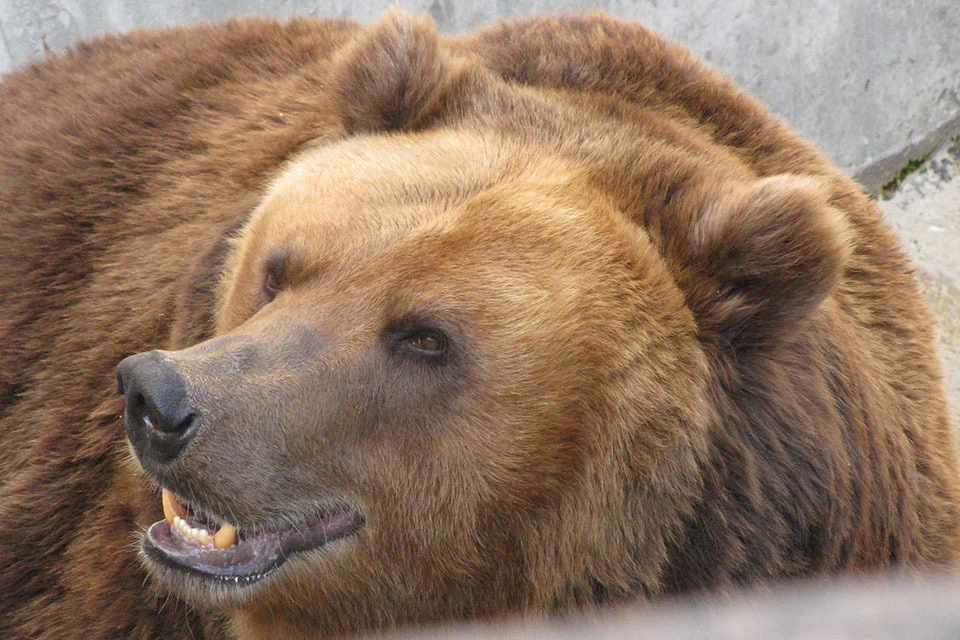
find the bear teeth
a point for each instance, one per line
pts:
(175, 515)
(171, 508)
(192, 533)
(226, 536)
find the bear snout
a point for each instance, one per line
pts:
(159, 418)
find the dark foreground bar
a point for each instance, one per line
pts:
(865, 609)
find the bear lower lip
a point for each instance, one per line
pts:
(252, 557)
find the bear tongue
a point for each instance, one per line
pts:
(175, 515)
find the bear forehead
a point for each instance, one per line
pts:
(367, 197)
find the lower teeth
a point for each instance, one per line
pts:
(191, 533)
(174, 514)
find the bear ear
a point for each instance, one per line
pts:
(391, 77)
(763, 259)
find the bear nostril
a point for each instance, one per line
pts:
(145, 412)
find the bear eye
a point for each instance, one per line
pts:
(271, 285)
(418, 341)
(430, 342)
(273, 277)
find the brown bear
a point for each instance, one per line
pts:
(437, 328)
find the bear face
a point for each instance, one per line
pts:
(446, 340)
(385, 366)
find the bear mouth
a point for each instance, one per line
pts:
(183, 541)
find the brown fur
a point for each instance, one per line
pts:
(685, 351)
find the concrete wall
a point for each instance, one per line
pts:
(873, 84)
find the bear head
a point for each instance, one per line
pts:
(462, 355)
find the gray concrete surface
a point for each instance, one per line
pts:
(871, 83)
(925, 210)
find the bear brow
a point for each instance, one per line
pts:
(298, 261)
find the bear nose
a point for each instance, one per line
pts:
(159, 419)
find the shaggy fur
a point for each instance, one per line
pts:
(678, 349)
